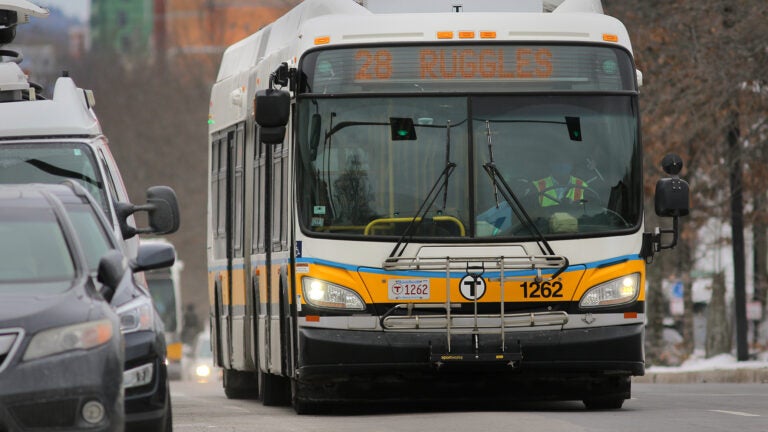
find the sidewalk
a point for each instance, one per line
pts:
(719, 369)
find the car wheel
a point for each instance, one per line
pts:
(169, 415)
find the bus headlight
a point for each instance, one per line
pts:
(327, 295)
(614, 292)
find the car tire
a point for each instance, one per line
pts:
(169, 415)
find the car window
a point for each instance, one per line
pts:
(93, 238)
(33, 249)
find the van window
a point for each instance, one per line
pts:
(52, 163)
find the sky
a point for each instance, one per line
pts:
(74, 8)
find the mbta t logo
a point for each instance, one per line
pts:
(472, 286)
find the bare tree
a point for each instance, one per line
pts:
(696, 56)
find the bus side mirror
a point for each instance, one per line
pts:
(162, 209)
(671, 200)
(672, 195)
(271, 110)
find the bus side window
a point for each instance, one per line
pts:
(218, 196)
(258, 197)
(285, 208)
(238, 192)
(277, 196)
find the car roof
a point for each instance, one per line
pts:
(70, 192)
(26, 195)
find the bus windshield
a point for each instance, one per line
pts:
(368, 164)
(470, 141)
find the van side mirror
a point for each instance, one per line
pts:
(112, 267)
(272, 109)
(162, 209)
(153, 256)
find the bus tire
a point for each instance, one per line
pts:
(216, 328)
(240, 384)
(275, 390)
(300, 404)
(604, 403)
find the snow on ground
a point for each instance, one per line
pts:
(698, 362)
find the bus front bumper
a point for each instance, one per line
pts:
(616, 350)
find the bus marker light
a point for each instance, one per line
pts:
(466, 35)
(630, 315)
(322, 40)
(445, 35)
(610, 37)
(487, 35)
(313, 318)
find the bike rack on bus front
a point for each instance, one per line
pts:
(528, 268)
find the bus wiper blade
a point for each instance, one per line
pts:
(397, 251)
(61, 172)
(516, 206)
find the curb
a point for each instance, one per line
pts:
(757, 376)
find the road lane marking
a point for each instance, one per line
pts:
(738, 413)
(235, 408)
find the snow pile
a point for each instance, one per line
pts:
(697, 362)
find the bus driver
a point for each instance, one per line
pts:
(555, 193)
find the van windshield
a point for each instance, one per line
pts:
(52, 163)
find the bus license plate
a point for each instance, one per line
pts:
(408, 289)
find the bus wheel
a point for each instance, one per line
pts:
(275, 389)
(241, 384)
(604, 403)
(300, 404)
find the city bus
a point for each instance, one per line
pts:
(383, 219)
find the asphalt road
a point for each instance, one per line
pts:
(653, 408)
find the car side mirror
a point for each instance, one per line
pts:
(154, 256)
(162, 209)
(112, 268)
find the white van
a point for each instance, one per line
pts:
(49, 141)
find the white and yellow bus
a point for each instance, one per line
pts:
(384, 215)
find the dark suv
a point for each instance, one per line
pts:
(145, 376)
